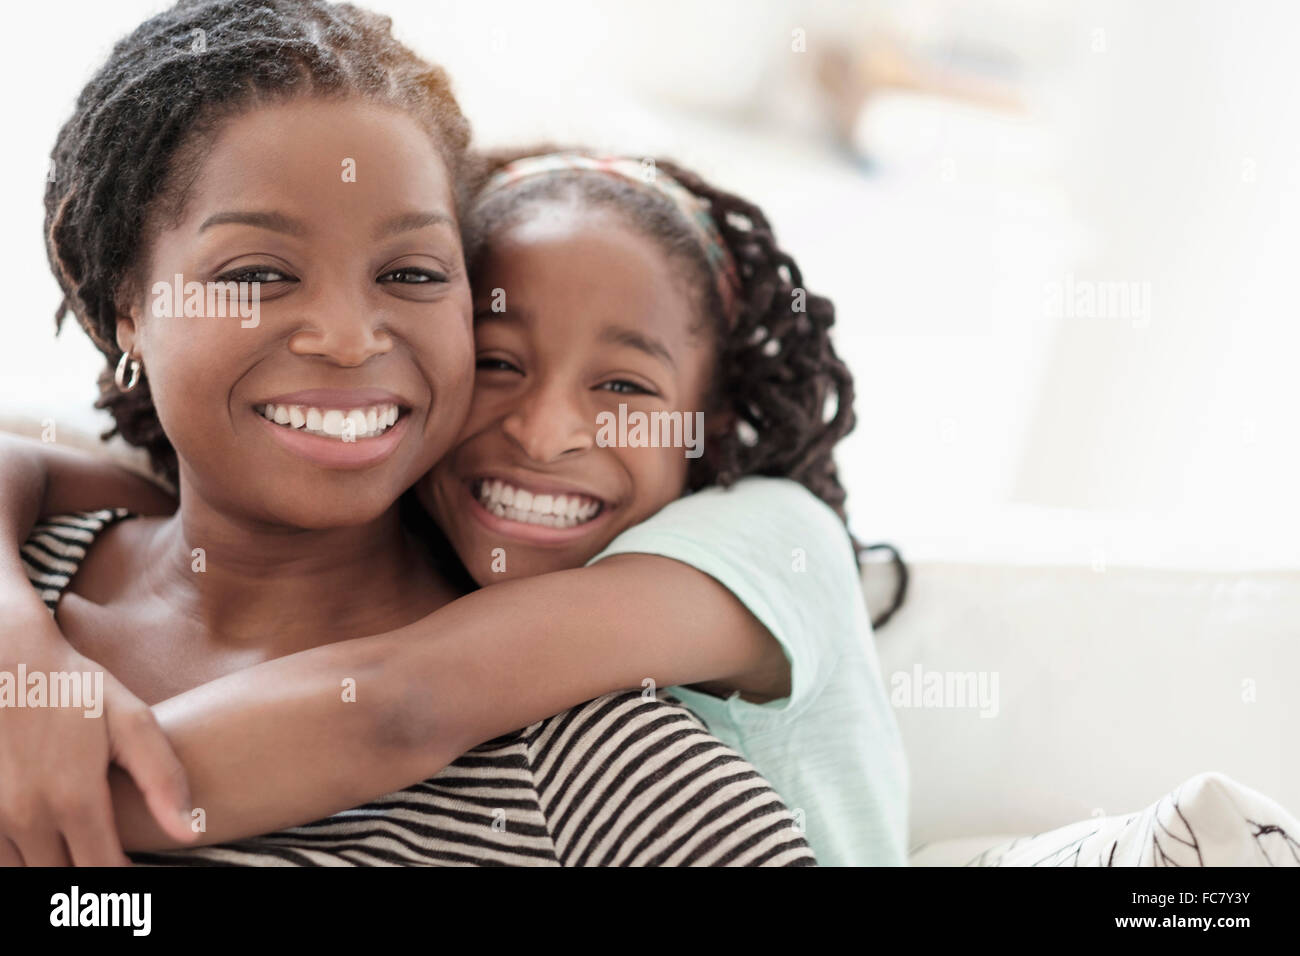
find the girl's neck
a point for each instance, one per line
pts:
(280, 589)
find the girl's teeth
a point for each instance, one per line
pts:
(343, 424)
(519, 504)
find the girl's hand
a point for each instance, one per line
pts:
(55, 804)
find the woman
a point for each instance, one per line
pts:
(286, 541)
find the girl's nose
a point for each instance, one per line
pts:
(547, 426)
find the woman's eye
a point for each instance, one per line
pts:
(413, 276)
(622, 386)
(258, 274)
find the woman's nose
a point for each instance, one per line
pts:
(342, 326)
(547, 426)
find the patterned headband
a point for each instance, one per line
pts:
(693, 209)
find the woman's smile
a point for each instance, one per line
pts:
(337, 428)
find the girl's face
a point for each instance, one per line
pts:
(575, 315)
(341, 212)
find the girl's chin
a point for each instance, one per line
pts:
(512, 562)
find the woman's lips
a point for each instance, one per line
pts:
(331, 452)
(338, 398)
(486, 505)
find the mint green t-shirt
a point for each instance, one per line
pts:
(832, 748)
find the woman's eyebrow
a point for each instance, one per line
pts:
(636, 339)
(279, 222)
(275, 221)
(411, 221)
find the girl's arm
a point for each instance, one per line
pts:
(41, 478)
(54, 800)
(307, 735)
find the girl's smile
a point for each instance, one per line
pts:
(539, 511)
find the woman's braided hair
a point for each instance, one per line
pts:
(778, 375)
(134, 142)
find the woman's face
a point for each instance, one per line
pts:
(575, 315)
(351, 375)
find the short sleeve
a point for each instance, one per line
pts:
(628, 780)
(785, 555)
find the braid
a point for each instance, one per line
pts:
(135, 139)
(778, 369)
(780, 372)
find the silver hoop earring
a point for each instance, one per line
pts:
(119, 376)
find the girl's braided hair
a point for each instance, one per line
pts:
(778, 374)
(136, 138)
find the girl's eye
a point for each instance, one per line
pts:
(412, 276)
(258, 274)
(622, 386)
(495, 365)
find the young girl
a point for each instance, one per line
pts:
(600, 284)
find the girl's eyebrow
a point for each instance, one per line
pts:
(610, 335)
(636, 339)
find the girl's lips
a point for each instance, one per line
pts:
(332, 452)
(537, 534)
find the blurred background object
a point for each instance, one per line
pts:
(1059, 237)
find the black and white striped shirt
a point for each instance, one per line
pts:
(623, 780)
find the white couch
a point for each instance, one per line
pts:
(1114, 686)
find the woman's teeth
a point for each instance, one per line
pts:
(519, 504)
(343, 424)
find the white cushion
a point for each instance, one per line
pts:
(1210, 820)
(1113, 687)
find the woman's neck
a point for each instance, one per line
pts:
(281, 589)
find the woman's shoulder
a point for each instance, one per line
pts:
(58, 545)
(636, 779)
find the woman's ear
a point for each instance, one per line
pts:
(128, 306)
(126, 332)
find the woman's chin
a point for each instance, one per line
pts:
(321, 512)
